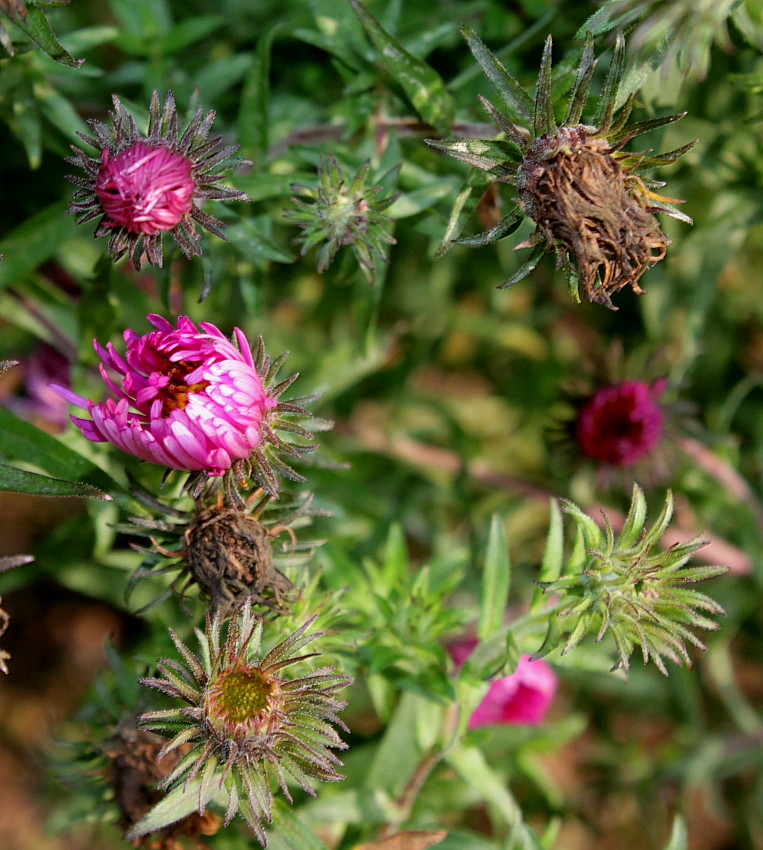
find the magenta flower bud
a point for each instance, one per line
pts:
(621, 423)
(145, 188)
(522, 697)
(139, 186)
(188, 398)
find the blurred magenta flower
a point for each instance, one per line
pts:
(522, 697)
(140, 186)
(188, 398)
(40, 402)
(621, 423)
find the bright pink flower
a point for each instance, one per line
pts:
(189, 398)
(522, 697)
(145, 188)
(620, 424)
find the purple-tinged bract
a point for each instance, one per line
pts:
(140, 186)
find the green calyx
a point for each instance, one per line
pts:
(625, 585)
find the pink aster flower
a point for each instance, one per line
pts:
(188, 398)
(140, 186)
(620, 424)
(522, 697)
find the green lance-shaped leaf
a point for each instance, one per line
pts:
(679, 837)
(422, 85)
(36, 26)
(514, 97)
(507, 225)
(179, 803)
(582, 84)
(544, 120)
(21, 481)
(553, 555)
(496, 577)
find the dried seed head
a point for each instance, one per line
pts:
(594, 212)
(574, 180)
(134, 771)
(230, 556)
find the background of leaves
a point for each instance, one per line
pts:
(445, 394)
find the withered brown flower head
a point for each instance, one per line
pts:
(583, 192)
(596, 213)
(230, 554)
(134, 771)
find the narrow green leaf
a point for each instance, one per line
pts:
(634, 522)
(465, 202)
(544, 120)
(422, 84)
(472, 766)
(36, 26)
(506, 226)
(253, 117)
(26, 120)
(529, 265)
(608, 98)
(493, 157)
(580, 89)
(34, 241)
(496, 575)
(644, 127)
(188, 32)
(514, 97)
(181, 801)
(287, 827)
(396, 564)
(21, 481)
(553, 555)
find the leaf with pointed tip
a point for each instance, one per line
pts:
(543, 118)
(465, 202)
(553, 555)
(493, 157)
(608, 97)
(515, 98)
(174, 806)
(21, 481)
(422, 85)
(528, 266)
(582, 84)
(506, 226)
(644, 127)
(496, 576)
(36, 26)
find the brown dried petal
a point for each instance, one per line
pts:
(229, 554)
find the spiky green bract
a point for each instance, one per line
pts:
(639, 593)
(244, 720)
(343, 212)
(209, 162)
(573, 179)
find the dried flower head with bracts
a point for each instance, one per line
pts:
(624, 585)
(229, 554)
(189, 398)
(134, 770)
(245, 720)
(140, 186)
(575, 181)
(342, 211)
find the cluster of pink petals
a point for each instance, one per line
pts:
(620, 424)
(145, 188)
(189, 398)
(522, 697)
